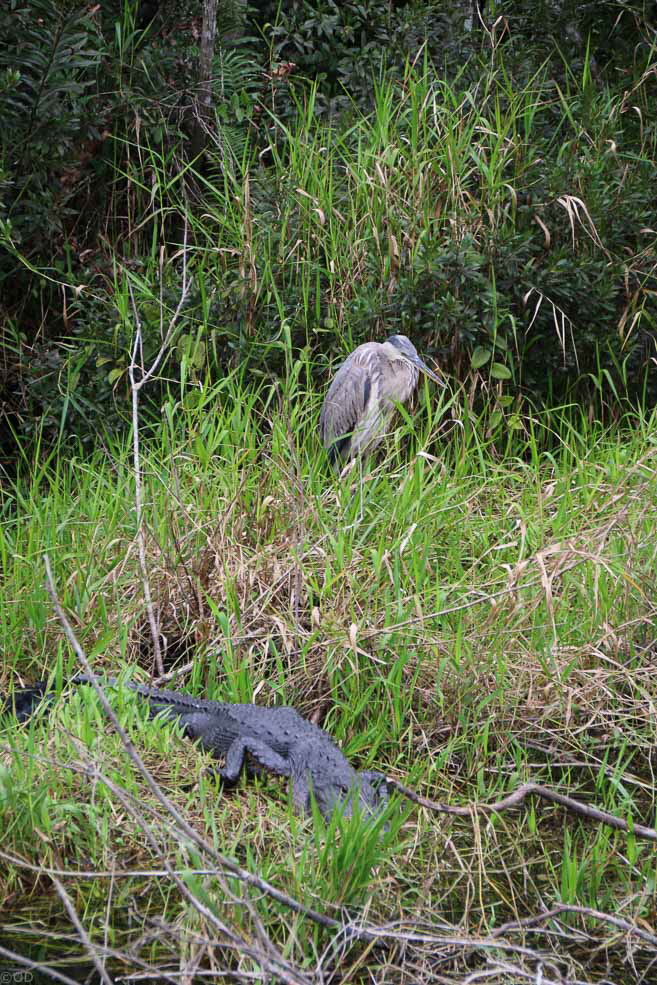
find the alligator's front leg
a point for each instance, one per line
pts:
(266, 758)
(263, 756)
(204, 727)
(300, 793)
(379, 782)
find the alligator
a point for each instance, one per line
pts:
(278, 740)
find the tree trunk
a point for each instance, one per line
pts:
(203, 108)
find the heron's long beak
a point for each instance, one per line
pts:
(430, 373)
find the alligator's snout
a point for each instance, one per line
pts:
(373, 791)
(367, 789)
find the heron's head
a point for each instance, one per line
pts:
(407, 350)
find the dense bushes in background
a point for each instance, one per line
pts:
(496, 202)
(87, 95)
(344, 45)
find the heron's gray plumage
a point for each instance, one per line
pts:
(362, 396)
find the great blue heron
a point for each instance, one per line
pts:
(361, 399)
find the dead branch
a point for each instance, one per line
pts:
(179, 821)
(23, 962)
(515, 798)
(584, 911)
(495, 967)
(182, 825)
(136, 386)
(83, 935)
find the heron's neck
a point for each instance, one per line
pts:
(407, 374)
(391, 352)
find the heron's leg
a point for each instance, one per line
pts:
(360, 488)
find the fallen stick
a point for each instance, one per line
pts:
(584, 911)
(517, 797)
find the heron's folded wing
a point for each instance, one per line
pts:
(346, 404)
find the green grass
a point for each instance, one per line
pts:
(477, 612)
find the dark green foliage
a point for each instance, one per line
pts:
(48, 72)
(614, 33)
(73, 77)
(344, 46)
(540, 276)
(91, 99)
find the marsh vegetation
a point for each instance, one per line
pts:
(477, 610)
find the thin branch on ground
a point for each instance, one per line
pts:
(584, 911)
(179, 821)
(516, 798)
(82, 934)
(272, 962)
(39, 966)
(183, 826)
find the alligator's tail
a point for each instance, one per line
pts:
(23, 703)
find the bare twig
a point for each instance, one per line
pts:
(181, 824)
(533, 976)
(83, 935)
(136, 386)
(584, 911)
(21, 863)
(24, 962)
(269, 959)
(515, 798)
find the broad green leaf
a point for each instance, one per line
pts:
(500, 372)
(479, 357)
